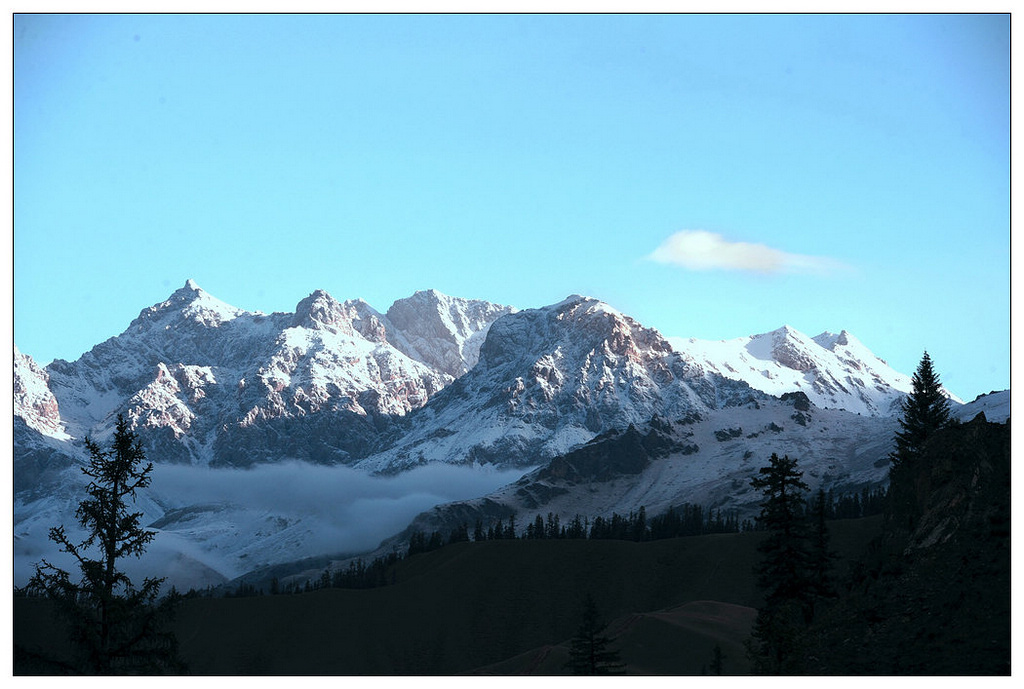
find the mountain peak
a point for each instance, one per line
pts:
(320, 310)
(574, 299)
(582, 304)
(443, 331)
(830, 340)
(317, 296)
(186, 294)
(833, 370)
(845, 338)
(787, 331)
(190, 291)
(194, 304)
(429, 296)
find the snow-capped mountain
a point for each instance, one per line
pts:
(549, 379)
(834, 371)
(205, 382)
(605, 413)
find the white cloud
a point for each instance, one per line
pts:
(702, 250)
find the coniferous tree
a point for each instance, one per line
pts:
(116, 628)
(436, 540)
(783, 572)
(554, 526)
(459, 534)
(639, 525)
(716, 660)
(589, 653)
(576, 529)
(925, 411)
(821, 556)
(536, 530)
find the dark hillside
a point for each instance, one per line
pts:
(674, 641)
(470, 605)
(934, 600)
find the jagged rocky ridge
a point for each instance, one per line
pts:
(206, 383)
(435, 379)
(551, 378)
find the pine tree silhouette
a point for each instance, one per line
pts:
(925, 411)
(783, 574)
(589, 653)
(116, 628)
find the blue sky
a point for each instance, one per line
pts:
(712, 176)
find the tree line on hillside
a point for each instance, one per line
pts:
(685, 520)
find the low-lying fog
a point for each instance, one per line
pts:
(216, 524)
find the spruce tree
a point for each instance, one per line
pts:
(925, 411)
(115, 627)
(716, 660)
(783, 574)
(589, 653)
(822, 558)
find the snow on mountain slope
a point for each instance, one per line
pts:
(551, 378)
(33, 400)
(995, 405)
(707, 461)
(835, 371)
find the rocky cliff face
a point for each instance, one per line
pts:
(33, 401)
(204, 382)
(549, 379)
(444, 332)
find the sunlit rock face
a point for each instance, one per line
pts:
(444, 332)
(549, 379)
(33, 400)
(204, 382)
